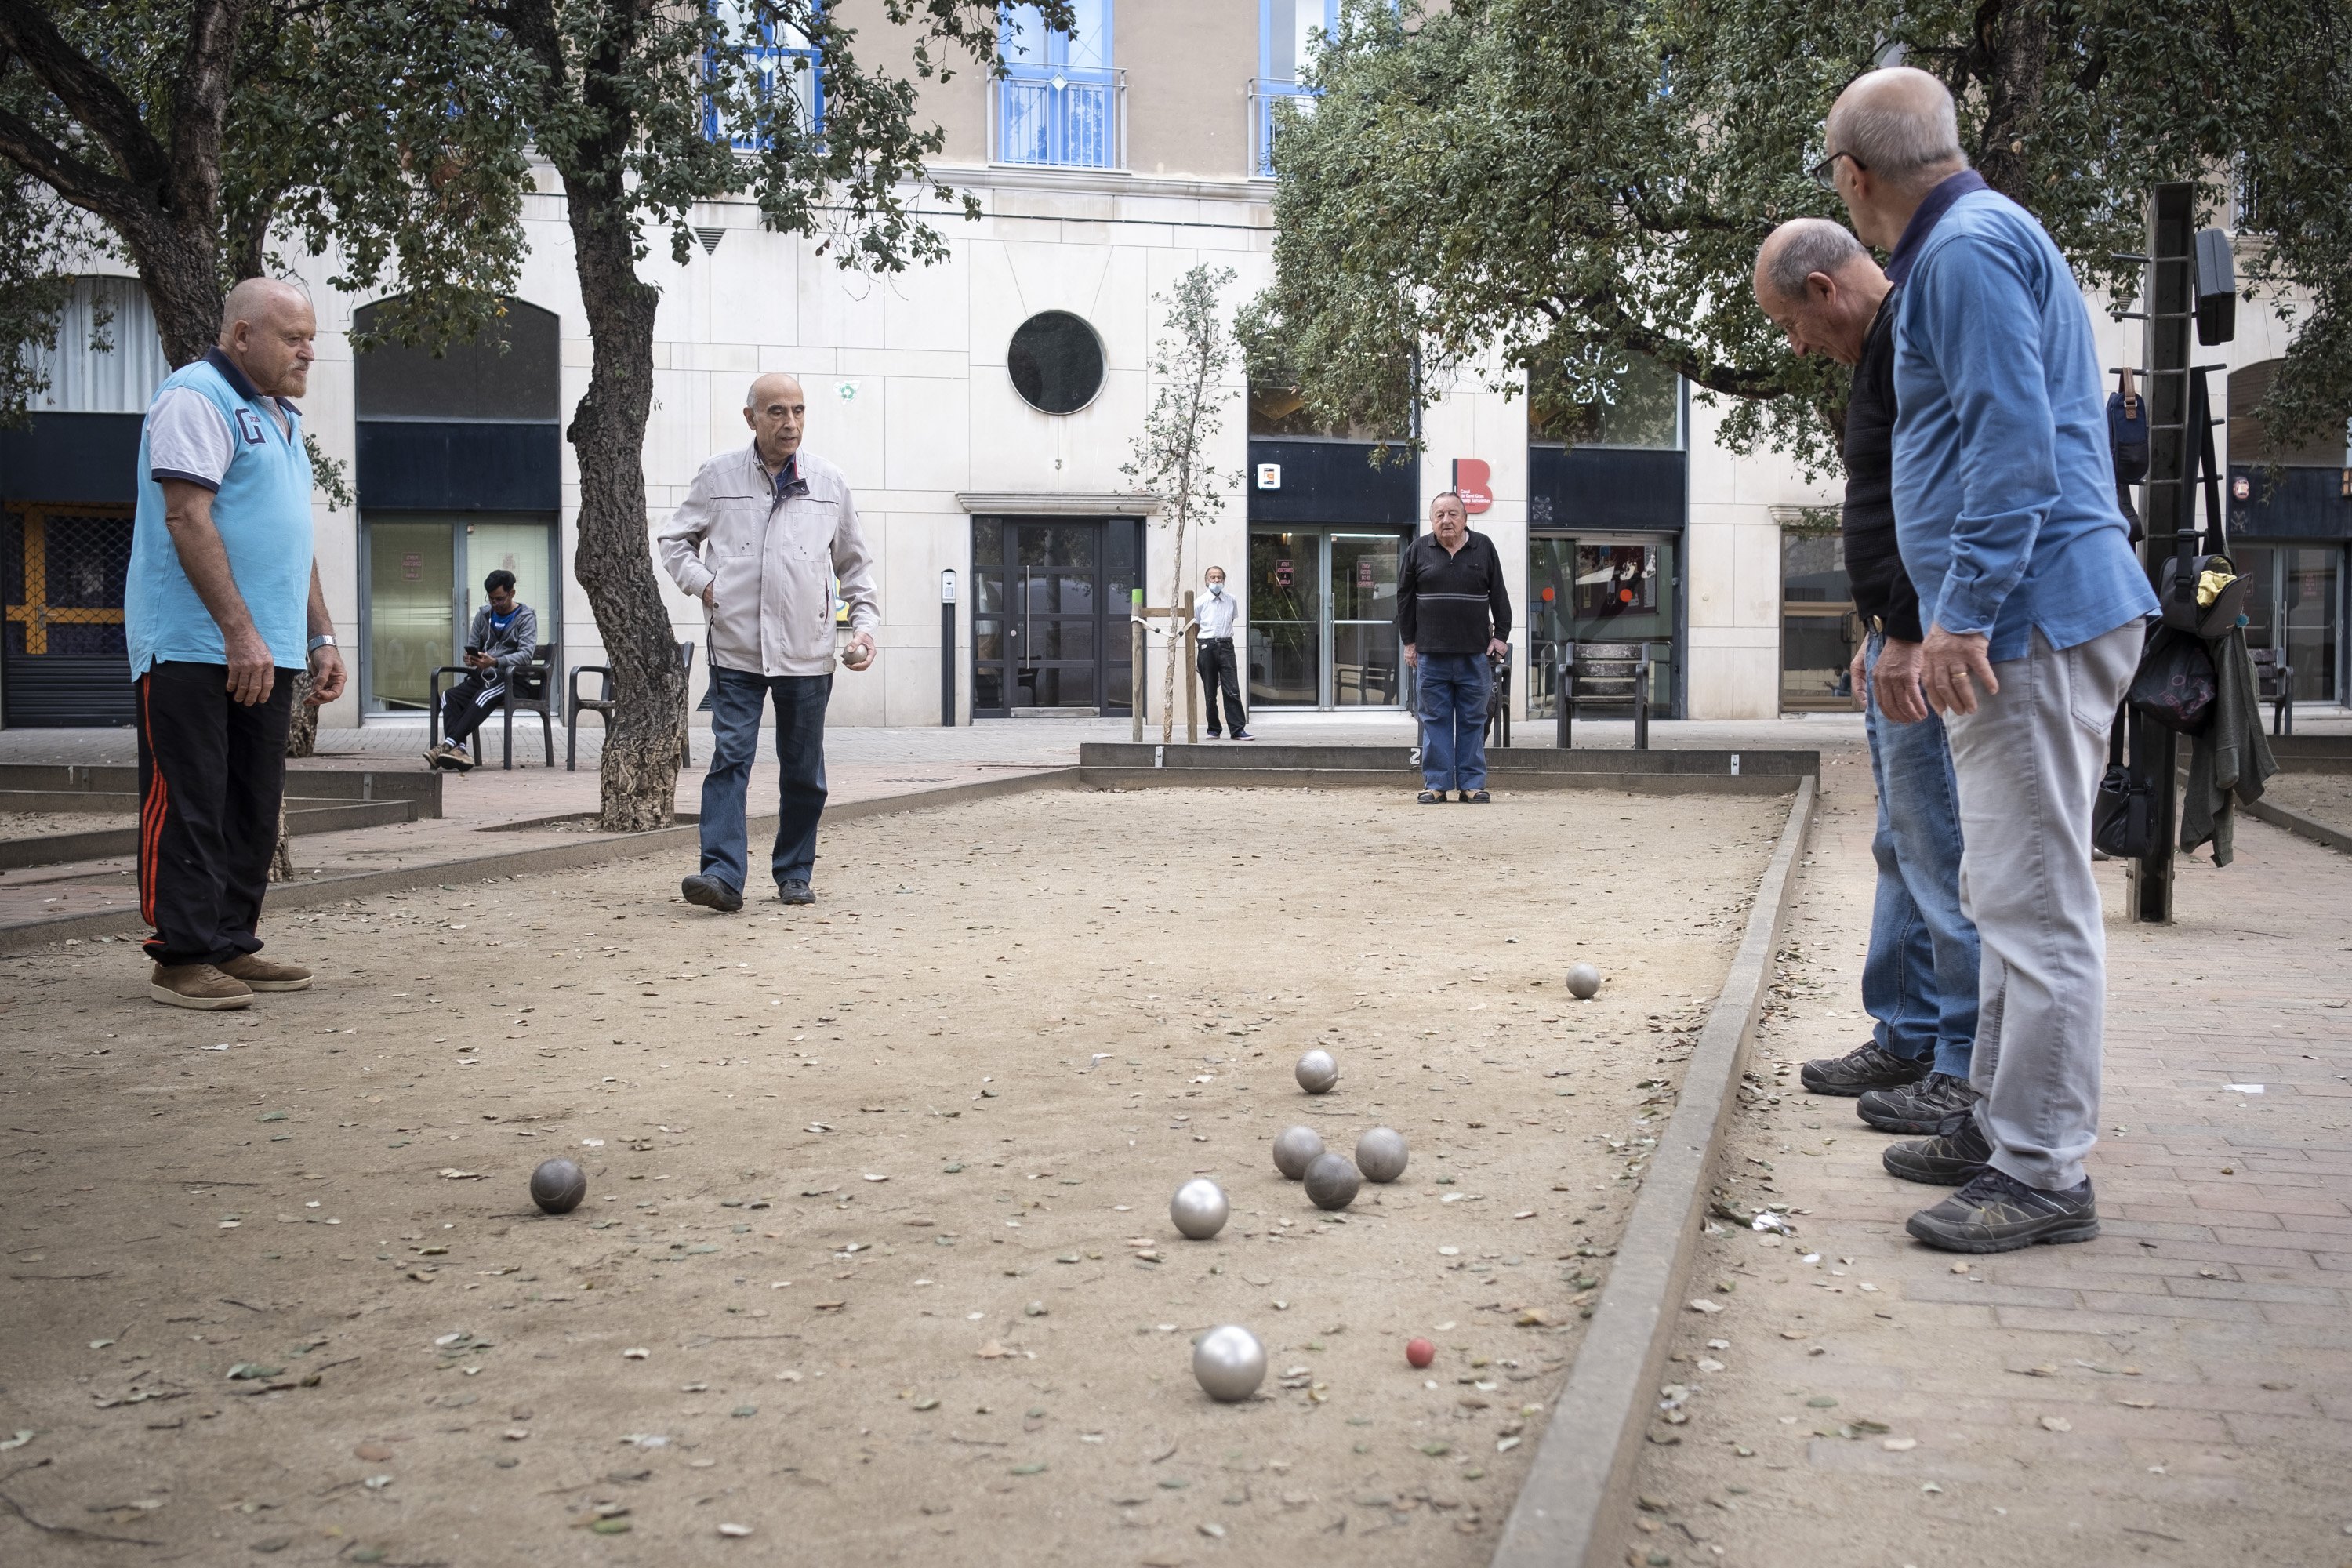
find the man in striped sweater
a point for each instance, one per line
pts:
(1453, 612)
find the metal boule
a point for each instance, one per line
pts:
(558, 1185)
(1198, 1208)
(1332, 1181)
(1317, 1072)
(1229, 1363)
(1380, 1155)
(1295, 1150)
(1583, 981)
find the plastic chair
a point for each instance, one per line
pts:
(574, 705)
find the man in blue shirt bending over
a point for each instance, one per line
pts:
(2005, 514)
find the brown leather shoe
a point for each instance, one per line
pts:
(198, 986)
(267, 974)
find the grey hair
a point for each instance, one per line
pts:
(1807, 245)
(1896, 121)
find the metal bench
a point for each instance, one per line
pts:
(605, 702)
(2275, 682)
(1613, 674)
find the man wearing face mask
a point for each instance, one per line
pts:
(1217, 616)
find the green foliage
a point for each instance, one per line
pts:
(1511, 183)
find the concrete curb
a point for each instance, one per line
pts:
(2302, 827)
(526, 862)
(1580, 1486)
(1407, 783)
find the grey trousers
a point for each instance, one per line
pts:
(2028, 762)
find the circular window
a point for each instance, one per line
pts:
(1056, 362)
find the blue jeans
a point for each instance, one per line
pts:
(1453, 688)
(1919, 980)
(737, 698)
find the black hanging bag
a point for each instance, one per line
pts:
(2123, 818)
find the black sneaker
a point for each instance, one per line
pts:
(711, 893)
(1948, 1160)
(795, 893)
(1998, 1213)
(1934, 1105)
(1244, 735)
(1866, 1067)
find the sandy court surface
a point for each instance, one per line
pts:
(876, 1259)
(49, 824)
(2323, 797)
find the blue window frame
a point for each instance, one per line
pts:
(1061, 102)
(790, 81)
(1285, 31)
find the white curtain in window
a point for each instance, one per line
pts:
(119, 379)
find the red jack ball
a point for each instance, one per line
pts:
(1420, 1353)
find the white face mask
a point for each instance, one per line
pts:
(1216, 590)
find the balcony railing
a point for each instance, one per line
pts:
(1069, 117)
(1263, 95)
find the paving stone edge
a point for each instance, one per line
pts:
(1574, 1508)
(2299, 824)
(320, 890)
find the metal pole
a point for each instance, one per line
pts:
(948, 648)
(1135, 675)
(1192, 667)
(2172, 447)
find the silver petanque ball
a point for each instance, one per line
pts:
(1198, 1208)
(1229, 1363)
(1317, 1072)
(1380, 1155)
(1295, 1150)
(1332, 1181)
(558, 1185)
(1583, 981)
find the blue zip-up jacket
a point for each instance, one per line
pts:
(2004, 486)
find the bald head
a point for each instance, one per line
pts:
(1898, 123)
(777, 411)
(1819, 287)
(266, 331)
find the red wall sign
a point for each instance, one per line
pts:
(1476, 483)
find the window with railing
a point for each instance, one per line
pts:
(1060, 101)
(788, 86)
(1289, 32)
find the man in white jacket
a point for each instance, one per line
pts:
(764, 531)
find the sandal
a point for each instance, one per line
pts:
(1432, 798)
(1477, 797)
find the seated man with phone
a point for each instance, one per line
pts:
(504, 635)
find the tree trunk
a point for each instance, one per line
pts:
(1175, 615)
(2015, 37)
(303, 731)
(638, 777)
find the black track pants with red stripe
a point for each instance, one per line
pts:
(212, 774)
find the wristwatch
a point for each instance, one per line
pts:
(324, 639)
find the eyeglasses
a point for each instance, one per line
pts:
(1824, 173)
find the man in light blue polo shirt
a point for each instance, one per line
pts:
(222, 610)
(2005, 514)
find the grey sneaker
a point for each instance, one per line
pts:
(1934, 1105)
(795, 893)
(1867, 1067)
(1998, 1213)
(711, 893)
(1948, 1160)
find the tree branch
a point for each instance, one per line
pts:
(200, 108)
(91, 96)
(92, 190)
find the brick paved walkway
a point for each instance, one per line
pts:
(2178, 1391)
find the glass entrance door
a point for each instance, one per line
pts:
(1322, 618)
(424, 582)
(1583, 590)
(2296, 605)
(1049, 613)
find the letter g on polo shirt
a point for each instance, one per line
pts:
(210, 426)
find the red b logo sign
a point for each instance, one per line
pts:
(1476, 483)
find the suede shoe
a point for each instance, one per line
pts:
(711, 893)
(1867, 1067)
(1949, 1159)
(1932, 1106)
(1998, 1213)
(197, 985)
(261, 973)
(795, 893)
